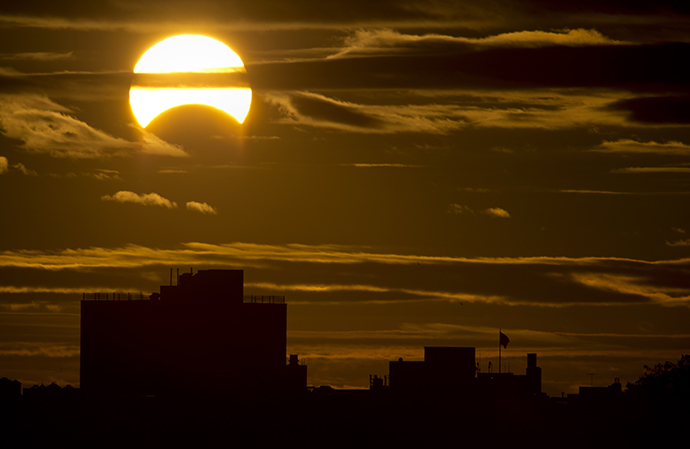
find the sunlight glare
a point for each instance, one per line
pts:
(198, 56)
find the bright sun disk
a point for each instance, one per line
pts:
(186, 64)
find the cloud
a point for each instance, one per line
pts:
(596, 192)
(32, 349)
(3, 165)
(157, 17)
(201, 207)
(474, 189)
(652, 170)
(496, 212)
(38, 56)
(105, 175)
(45, 127)
(25, 171)
(387, 41)
(381, 165)
(219, 254)
(610, 192)
(316, 273)
(685, 242)
(444, 112)
(634, 146)
(635, 285)
(306, 108)
(145, 199)
(418, 294)
(492, 211)
(459, 209)
(151, 144)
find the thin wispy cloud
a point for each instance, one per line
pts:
(23, 170)
(363, 165)
(558, 111)
(420, 294)
(459, 209)
(474, 190)
(685, 242)
(46, 127)
(38, 56)
(652, 170)
(596, 192)
(388, 41)
(103, 174)
(221, 254)
(634, 285)
(466, 210)
(612, 192)
(23, 349)
(634, 146)
(145, 199)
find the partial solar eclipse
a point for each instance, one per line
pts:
(189, 69)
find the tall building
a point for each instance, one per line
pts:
(200, 335)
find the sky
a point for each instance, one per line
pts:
(411, 173)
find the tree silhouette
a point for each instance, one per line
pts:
(665, 381)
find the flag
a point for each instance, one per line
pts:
(503, 339)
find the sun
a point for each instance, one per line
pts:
(189, 69)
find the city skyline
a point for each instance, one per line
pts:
(412, 174)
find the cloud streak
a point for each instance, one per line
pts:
(436, 113)
(466, 210)
(387, 41)
(635, 170)
(46, 127)
(634, 146)
(38, 56)
(145, 199)
(526, 281)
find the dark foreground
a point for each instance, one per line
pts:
(335, 420)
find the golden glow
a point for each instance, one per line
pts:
(182, 56)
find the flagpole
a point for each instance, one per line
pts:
(499, 351)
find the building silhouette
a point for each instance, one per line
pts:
(510, 383)
(442, 368)
(201, 334)
(453, 370)
(10, 388)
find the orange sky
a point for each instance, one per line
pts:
(410, 173)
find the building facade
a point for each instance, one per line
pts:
(200, 334)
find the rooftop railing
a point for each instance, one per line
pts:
(114, 296)
(247, 299)
(263, 299)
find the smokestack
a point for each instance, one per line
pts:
(178, 277)
(171, 277)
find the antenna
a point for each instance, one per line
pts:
(591, 379)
